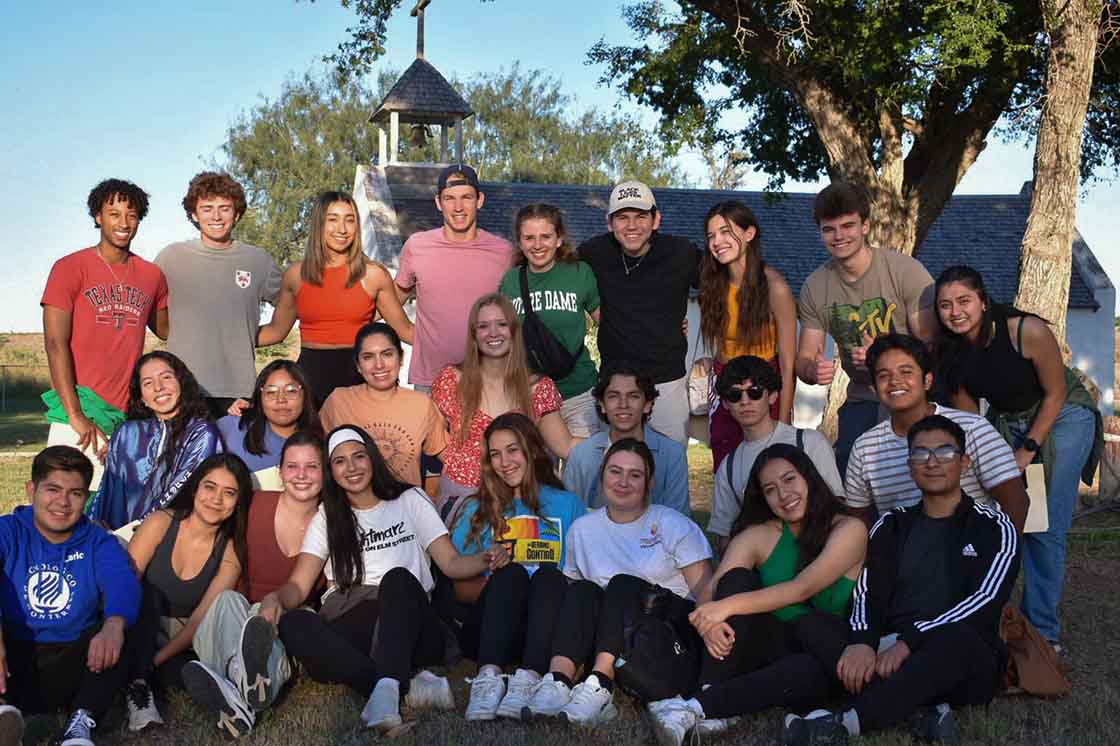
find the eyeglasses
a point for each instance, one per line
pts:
(944, 454)
(754, 392)
(273, 392)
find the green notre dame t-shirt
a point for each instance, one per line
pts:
(561, 297)
(881, 301)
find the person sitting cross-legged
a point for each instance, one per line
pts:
(67, 599)
(624, 398)
(924, 628)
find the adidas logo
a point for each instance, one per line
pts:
(968, 551)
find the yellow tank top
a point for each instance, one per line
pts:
(766, 347)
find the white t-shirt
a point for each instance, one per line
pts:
(727, 496)
(394, 533)
(655, 548)
(878, 468)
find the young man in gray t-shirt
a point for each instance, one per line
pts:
(748, 386)
(215, 289)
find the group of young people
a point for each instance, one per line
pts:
(516, 505)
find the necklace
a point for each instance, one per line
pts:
(626, 265)
(110, 267)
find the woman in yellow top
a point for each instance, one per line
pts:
(746, 308)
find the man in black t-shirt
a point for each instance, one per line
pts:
(644, 277)
(925, 613)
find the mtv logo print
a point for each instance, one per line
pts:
(48, 592)
(847, 323)
(243, 278)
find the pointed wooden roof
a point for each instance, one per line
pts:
(423, 95)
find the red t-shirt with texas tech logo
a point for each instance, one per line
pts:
(109, 307)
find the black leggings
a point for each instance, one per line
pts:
(146, 633)
(592, 619)
(327, 370)
(773, 663)
(376, 639)
(515, 617)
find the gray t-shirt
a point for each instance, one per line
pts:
(881, 301)
(214, 304)
(727, 497)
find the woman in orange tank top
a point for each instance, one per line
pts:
(333, 292)
(746, 308)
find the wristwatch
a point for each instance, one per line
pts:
(1031, 445)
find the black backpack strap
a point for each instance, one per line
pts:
(526, 305)
(800, 439)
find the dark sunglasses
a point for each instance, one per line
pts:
(754, 392)
(944, 454)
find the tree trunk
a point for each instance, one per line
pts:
(1046, 261)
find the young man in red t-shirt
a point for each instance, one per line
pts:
(96, 305)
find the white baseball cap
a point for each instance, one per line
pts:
(633, 195)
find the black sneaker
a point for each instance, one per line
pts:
(818, 728)
(211, 691)
(77, 730)
(257, 637)
(935, 725)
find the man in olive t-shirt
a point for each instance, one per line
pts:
(859, 294)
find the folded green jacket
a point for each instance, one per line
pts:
(102, 413)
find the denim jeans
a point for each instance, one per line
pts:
(1044, 554)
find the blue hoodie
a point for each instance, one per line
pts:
(51, 593)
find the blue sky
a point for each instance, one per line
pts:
(145, 91)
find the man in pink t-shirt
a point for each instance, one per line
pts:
(447, 269)
(96, 305)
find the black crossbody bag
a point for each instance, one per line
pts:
(546, 355)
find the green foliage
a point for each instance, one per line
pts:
(525, 128)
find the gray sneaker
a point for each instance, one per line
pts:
(936, 725)
(11, 726)
(257, 636)
(213, 692)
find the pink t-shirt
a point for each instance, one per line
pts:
(109, 308)
(462, 460)
(449, 277)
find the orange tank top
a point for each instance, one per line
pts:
(331, 313)
(765, 347)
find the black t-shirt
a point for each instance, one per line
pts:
(642, 311)
(924, 588)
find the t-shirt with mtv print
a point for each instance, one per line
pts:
(881, 301)
(393, 533)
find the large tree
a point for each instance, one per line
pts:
(525, 128)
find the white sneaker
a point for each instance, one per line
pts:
(77, 730)
(486, 693)
(715, 726)
(11, 726)
(428, 691)
(591, 704)
(257, 636)
(519, 691)
(213, 692)
(383, 708)
(548, 698)
(672, 720)
(142, 710)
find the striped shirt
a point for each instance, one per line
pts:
(878, 470)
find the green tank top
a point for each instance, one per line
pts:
(781, 567)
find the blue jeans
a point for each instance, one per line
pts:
(1044, 554)
(853, 420)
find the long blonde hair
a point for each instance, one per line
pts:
(315, 256)
(516, 377)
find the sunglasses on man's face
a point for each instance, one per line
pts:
(754, 392)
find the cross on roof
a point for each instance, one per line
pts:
(418, 14)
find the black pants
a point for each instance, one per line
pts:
(346, 650)
(147, 633)
(219, 405)
(46, 677)
(514, 619)
(592, 619)
(327, 370)
(773, 663)
(954, 664)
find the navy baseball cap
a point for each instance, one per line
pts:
(457, 174)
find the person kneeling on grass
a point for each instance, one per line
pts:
(187, 555)
(616, 555)
(242, 666)
(776, 628)
(925, 617)
(67, 595)
(375, 537)
(509, 615)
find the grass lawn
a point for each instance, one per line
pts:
(310, 713)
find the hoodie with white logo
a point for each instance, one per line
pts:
(51, 593)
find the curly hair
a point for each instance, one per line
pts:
(213, 184)
(642, 380)
(821, 506)
(494, 496)
(315, 255)
(111, 189)
(235, 527)
(755, 323)
(748, 368)
(253, 420)
(542, 211)
(517, 381)
(191, 405)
